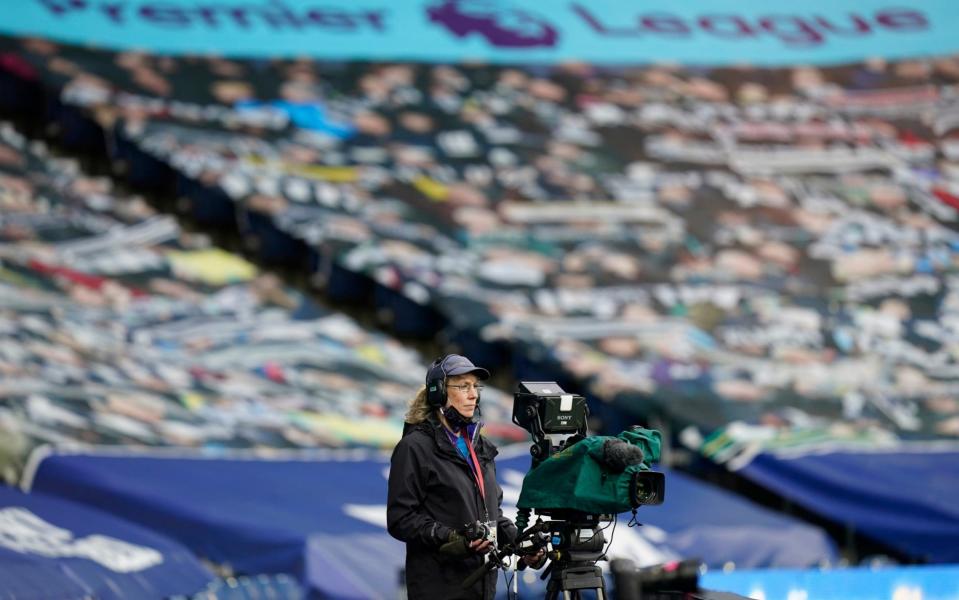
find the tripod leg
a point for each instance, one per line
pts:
(551, 591)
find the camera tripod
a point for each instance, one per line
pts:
(572, 581)
(577, 541)
(572, 570)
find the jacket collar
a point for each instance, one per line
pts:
(484, 450)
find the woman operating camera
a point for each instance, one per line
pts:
(443, 500)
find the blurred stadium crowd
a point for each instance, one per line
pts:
(121, 328)
(764, 256)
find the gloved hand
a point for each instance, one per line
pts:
(533, 561)
(456, 545)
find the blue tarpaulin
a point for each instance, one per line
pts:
(54, 548)
(324, 519)
(904, 497)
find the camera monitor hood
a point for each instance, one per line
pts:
(550, 414)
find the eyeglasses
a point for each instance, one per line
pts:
(464, 387)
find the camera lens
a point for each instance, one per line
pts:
(644, 492)
(648, 487)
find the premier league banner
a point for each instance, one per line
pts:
(714, 32)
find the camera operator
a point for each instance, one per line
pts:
(443, 489)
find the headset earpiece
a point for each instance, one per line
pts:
(436, 393)
(436, 386)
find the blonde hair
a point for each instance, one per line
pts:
(418, 410)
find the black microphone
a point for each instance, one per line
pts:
(617, 455)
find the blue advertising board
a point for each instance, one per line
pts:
(893, 583)
(323, 518)
(54, 548)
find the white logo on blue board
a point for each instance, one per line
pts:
(23, 531)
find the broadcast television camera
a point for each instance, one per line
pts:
(616, 479)
(575, 485)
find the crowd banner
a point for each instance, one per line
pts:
(717, 32)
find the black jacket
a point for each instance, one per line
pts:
(431, 492)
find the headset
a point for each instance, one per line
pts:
(436, 387)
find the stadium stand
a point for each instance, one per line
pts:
(759, 260)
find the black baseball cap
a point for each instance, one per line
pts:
(454, 364)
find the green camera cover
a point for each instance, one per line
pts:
(576, 478)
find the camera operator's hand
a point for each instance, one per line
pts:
(481, 546)
(456, 545)
(534, 561)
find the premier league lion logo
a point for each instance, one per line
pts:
(502, 25)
